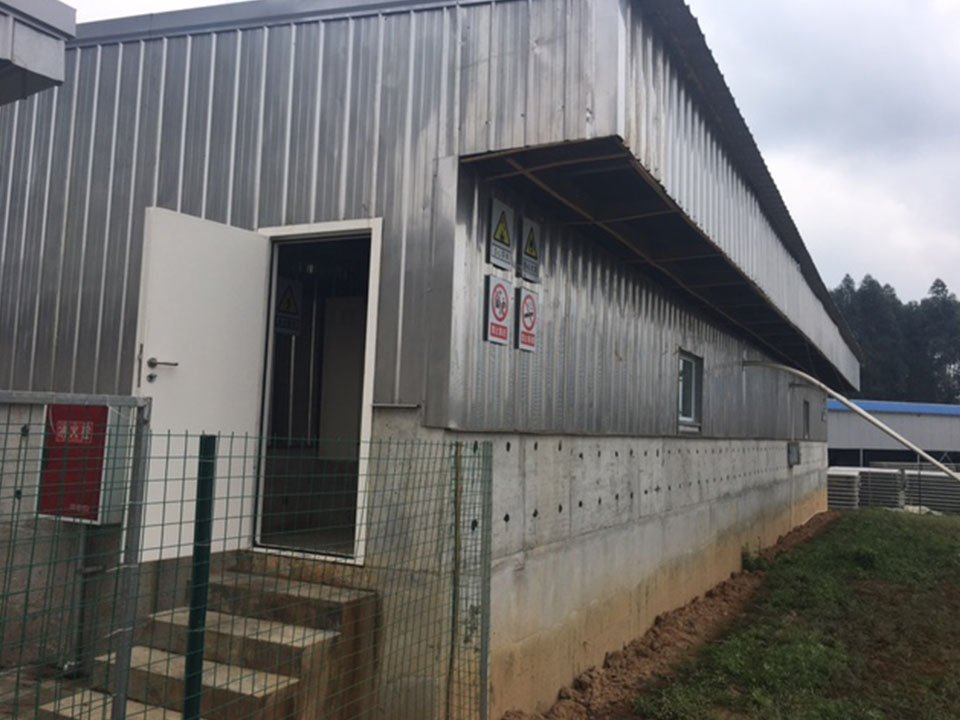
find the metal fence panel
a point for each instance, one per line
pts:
(295, 625)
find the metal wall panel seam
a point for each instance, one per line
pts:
(185, 109)
(404, 204)
(262, 103)
(55, 98)
(106, 228)
(118, 385)
(285, 175)
(377, 106)
(234, 118)
(17, 108)
(345, 137)
(86, 215)
(210, 97)
(315, 170)
(31, 105)
(159, 136)
(54, 350)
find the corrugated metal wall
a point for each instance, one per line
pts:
(935, 433)
(288, 123)
(669, 135)
(323, 119)
(607, 358)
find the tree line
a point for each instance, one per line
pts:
(911, 351)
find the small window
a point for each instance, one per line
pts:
(806, 419)
(690, 394)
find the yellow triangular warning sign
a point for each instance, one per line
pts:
(530, 249)
(288, 302)
(502, 233)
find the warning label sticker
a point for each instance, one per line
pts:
(530, 251)
(497, 314)
(528, 319)
(500, 243)
(288, 315)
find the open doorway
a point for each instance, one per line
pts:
(315, 382)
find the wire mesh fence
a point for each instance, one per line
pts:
(232, 577)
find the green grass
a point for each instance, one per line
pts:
(862, 623)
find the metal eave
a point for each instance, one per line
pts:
(599, 187)
(681, 32)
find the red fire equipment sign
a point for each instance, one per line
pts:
(71, 481)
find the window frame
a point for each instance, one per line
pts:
(694, 421)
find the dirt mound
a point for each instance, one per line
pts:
(608, 692)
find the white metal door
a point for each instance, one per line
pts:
(204, 301)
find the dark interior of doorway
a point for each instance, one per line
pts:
(310, 479)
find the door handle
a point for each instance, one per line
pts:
(153, 362)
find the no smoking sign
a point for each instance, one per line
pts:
(498, 310)
(528, 319)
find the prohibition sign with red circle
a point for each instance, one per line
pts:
(500, 303)
(528, 313)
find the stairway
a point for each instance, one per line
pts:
(275, 649)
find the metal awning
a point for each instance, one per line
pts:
(33, 37)
(600, 187)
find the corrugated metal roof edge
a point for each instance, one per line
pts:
(897, 408)
(253, 13)
(680, 29)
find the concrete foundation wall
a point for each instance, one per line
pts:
(593, 538)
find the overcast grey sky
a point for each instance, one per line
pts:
(855, 106)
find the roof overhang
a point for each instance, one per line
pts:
(599, 187)
(33, 37)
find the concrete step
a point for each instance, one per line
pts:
(295, 602)
(352, 613)
(93, 705)
(230, 692)
(239, 640)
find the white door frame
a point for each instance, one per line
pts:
(371, 228)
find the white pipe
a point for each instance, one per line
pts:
(858, 410)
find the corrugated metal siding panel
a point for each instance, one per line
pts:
(291, 123)
(669, 136)
(530, 74)
(931, 432)
(607, 357)
(334, 118)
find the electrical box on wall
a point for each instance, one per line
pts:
(793, 453)
(86, 463)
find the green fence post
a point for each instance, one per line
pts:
(200, 577)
